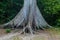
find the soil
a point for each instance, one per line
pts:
(2, 32)
(40, 35)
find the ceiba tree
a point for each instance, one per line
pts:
(29, 17)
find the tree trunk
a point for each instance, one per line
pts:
(28, 16)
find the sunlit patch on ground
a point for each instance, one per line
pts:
(16, 38)
(40, 38)
(54, 31)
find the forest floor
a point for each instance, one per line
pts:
(49, 34)
(2, 32)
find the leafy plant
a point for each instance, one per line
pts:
(8, 30)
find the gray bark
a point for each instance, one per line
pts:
(29, 14)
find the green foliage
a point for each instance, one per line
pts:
(8, 30)
(8, 9)
(50, 10)
(58, 22)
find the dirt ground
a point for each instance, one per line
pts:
(2, 32)
(40, 35)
